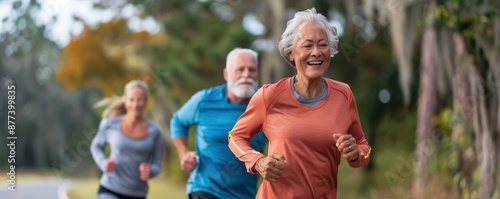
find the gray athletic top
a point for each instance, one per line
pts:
(128, 153)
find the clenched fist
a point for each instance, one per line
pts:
(347, 146)
(271, 167)
(144, 171)
(110, 165)
(188, 161)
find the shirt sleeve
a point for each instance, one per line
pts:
(250, 123)
(155, 162)
(357, 132)
(99, 143)
(186, 116)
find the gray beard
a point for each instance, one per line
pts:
(242, 91)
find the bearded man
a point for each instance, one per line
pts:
(215, 172)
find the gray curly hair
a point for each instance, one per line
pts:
(293, 27)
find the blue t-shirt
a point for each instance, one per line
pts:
(218, 171)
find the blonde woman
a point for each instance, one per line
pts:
(135, 145)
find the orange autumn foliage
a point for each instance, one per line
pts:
(106, 57)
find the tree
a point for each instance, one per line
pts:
(48, 119)
(186, 56)
(456, 57)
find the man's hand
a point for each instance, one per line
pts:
(188, 161)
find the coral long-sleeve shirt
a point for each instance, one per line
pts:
(303, 134)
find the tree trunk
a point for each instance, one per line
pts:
(486, 112)
(273, 67)
(427, 107)
(462, 105)
(494, 62)
(159, 116)
(402, 24)
(485, 147)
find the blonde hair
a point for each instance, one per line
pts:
(116, 105)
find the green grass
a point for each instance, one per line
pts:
(159, 188)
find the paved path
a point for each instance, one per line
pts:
(42, 188)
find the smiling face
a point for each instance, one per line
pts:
(135, 101)
(311, 53)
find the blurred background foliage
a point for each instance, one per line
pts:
(425, 74)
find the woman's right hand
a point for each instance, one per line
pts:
(271, 167)
(110, 165)
(188, 161)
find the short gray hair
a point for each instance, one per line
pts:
(293, 27)
(236, 51)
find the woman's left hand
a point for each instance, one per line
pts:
(347, 146)
(144, 171)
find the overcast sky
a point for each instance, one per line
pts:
(65, 25)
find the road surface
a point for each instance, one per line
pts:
(42, 188)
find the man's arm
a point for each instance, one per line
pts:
(187, 157)
(180, 123)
